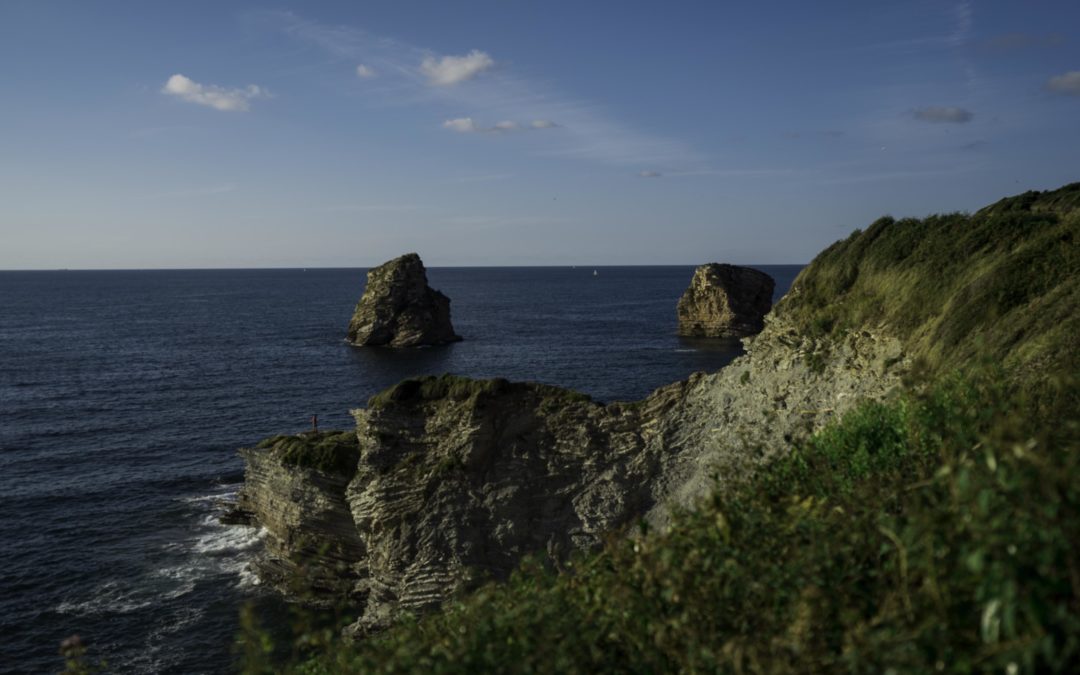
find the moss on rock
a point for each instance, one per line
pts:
(334, 452)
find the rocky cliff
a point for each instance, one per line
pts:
(457, 480)
(725, 301)
(294, 486)
(399, 309)
(453, 480)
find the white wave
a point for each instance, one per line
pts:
(248, 578)
(108, 597)
(229, 539)
(226, 493)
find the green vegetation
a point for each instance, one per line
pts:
(1004, 283)
(334, 452)
(457, 388)
(940, 532)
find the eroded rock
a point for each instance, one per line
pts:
(399, 309)
(725, 301)
(457, 480)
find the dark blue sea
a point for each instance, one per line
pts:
(125, 394)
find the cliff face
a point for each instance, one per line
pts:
(457, 480)
(399, 309)
(311, 541)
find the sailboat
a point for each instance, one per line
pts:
(595, 273)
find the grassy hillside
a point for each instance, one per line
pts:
(1002, 284)
(940, 532)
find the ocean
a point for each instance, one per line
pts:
(125, 394)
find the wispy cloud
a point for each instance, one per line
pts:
(213, 96)
(649, 174)
(466, 125)
(451, 70)
(964, 16)
(588, 131)
(1067, 83)
(946, 114)
(365, 72)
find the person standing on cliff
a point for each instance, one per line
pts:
(314, 424)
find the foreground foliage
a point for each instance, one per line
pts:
(938, 532)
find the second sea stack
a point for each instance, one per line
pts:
(725, 301)
(399, 309)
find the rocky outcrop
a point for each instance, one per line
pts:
(399, 309)
(456, 480)
(725, 301)
(294, 487)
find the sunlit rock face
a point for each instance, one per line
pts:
(725, 301)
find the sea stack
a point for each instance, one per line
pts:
(725, 301)
(399, 309)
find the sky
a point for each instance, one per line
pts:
(502, 132)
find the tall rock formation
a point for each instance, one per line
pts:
(725, 301)
(399, 309)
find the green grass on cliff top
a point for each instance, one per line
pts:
(1003, 282)
(334, 452)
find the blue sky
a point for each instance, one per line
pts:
(219, 134)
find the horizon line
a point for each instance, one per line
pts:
(361, 267)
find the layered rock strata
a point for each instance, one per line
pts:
(399, 309)
(456, 480)
(725, 301)
(294, 487)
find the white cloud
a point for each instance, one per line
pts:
(588, 132)
(937, 113)
(1069, 83)
(218, 98)
(650, 174)
(462, 125)
(506, 125)
(450, 70)
(365, 72)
